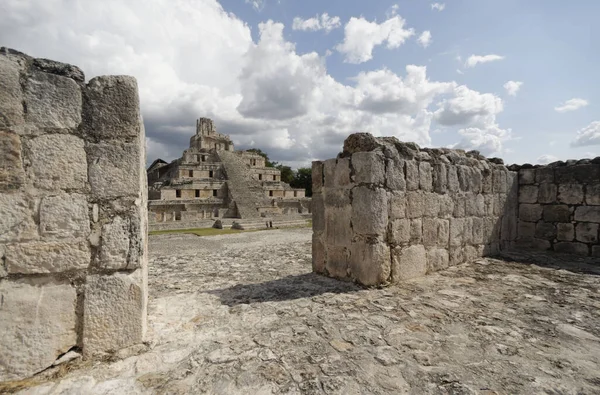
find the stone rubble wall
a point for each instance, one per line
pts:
(386, 211)
(559, 207)
(73, 216)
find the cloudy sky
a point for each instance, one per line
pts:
(512, 78)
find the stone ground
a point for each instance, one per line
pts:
(243, 314)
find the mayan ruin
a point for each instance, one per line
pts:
(297, 198)
(212, 181)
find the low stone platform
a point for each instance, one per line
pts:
(243, 314)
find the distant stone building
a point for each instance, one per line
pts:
(211, 180)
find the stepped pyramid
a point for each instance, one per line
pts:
(211, 180)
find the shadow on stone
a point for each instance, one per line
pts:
(286, 288)
(555, 260)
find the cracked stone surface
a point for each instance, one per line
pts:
(243, 314)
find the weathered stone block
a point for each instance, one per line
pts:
(409, 262)
(338, 228)
(412, 175)
(58, 161)
(586, 232)
(11, 167)
(64, 216)
(114, 170)
(338, 260)
(425, 176)
(547, 193)
(53, 101)
(500, 184)
(38, 323)
(400, 231)
(570, 193)
(491, 228)
(530, 212)
(457, 231)
(370, 262)
(397, 205)
(487, 184)
(47, 257)
(369, 167)
(335, 197)
(467, 235)
(544, 175)
(342, 174)
(488, 202)
(592, 195)
(527, 176)
(528, 194)
(456, 255)
(526, 230)
(369, 210)
(114, 311)
(415, 204)
(499, 203)
(440, 178)
(16, 212)
(572, 248)
(329, 173)
(596, 251)
(475, 205)
(318, 213)
(431, 204)
(446, 205)
(11, 96)
(317, 177)
(416, 231)
(578, 174)
(114, 250)
(394, 176)
(436, 232)
(545, 231)
(453, 183)
(460, 209)
(557, 213)
(470, 253)
(587, 214)
(437, 259)
(540, 244)
(113, 108)
(509, 227)
(565, 232)
(318, 254)
(478, 230)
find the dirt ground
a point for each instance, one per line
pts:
(243, 314)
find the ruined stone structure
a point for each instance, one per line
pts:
(212, 181)
(559, 207)
(73, 220)
(386, 211)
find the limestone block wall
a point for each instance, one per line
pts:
(386, 211)
(73, 220)
(559, 207)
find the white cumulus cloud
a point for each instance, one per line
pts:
(362, 36)
(438, 6)
(425, 39)
(571, 105)
(545, 159)
(474, 60)
(590, 135)
(323, 22)
(512, 87)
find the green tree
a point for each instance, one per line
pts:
(287, 174)
(303, 179)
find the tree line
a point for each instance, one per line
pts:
(300, 178)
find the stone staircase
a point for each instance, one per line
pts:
(247, 193)
(268, 223)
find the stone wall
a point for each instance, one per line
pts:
(385, 211)
(559, 207)
(73, 272)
